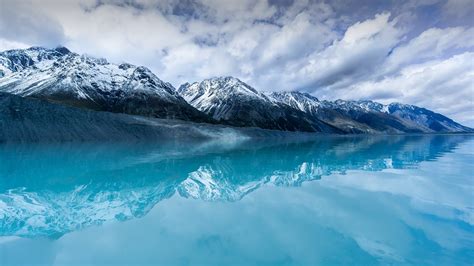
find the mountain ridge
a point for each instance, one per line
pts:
(347, 117)
(61, 76)
(229, 100)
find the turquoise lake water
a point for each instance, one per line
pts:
(331, 201)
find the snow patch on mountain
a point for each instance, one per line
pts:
(65, 77)
(213, 95)
(298, 100)
(40, 71)
(369, 116)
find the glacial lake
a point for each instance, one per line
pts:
(365, 200)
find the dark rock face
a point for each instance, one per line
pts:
(25, 119)
(31, 120)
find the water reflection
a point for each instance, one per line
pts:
(49, 190)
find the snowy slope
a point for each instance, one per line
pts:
(298, 100)
(424, 117)
(61, 76)
(231, 101)
(369, 116)
(216, 96)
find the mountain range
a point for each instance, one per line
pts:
(93, 84)
(61, 76)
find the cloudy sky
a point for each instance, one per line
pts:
(419, 52)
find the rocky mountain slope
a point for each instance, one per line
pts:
(34, 120)
(231, 101)
(369, 116)
(59, 75)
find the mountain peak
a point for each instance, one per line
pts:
(299, 100)
(39, 51)
(62, 76)
(226, 85)
(294, 94)
(228, 82)
(63, 50)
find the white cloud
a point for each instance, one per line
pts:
(445, 86)
(8, 45)
(430, 44)
(366, 30)
(333, 49)
(287, 43)
(363, 47)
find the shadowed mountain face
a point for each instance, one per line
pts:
(35, 120)
(74, 186)
(61, 76)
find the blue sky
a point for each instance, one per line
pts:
(419, 52)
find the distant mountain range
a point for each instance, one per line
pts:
(231, 101)
(63, 77)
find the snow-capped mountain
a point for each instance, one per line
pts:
(424, 117)
(369, 116)
(214, 96)
(298, 100)
(59, 75)
(320, 110)
(231, 101)
(234, 102)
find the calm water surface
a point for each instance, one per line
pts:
(332, 201)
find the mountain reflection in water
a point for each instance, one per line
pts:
(50, 190)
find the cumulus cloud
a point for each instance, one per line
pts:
(445, 86)
(348, 49)
(432, 43)
(363, 48)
